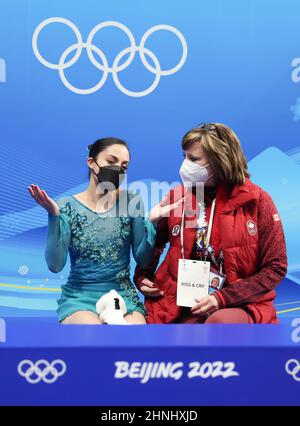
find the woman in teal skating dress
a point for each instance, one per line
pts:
(98, 231)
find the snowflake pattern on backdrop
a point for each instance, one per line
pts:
(23, 270)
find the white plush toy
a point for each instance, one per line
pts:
(111, 308)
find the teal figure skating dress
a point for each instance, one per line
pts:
(99, 247)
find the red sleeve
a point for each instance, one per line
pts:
(272, 259)
(162, 237)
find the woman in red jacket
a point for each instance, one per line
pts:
(246, 239)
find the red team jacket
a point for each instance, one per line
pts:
(248, 228)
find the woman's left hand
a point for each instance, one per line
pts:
(205, 305)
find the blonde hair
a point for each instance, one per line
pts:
(223, 149)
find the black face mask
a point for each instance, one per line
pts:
(112, 174)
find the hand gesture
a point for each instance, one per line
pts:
(43, 199)
(163, 209)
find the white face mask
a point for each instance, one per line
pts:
(192, 173)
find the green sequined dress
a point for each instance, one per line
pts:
(99, 248)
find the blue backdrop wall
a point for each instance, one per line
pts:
(204, 61)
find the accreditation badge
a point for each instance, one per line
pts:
(216, 280)
(192, 282)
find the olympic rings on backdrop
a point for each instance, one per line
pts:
(42, 370)
(103, 66)
(292, 367)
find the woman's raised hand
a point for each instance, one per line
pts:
(43, 199)
(163, 209)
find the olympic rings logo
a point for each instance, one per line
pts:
(104, 67)
(42, 370)
(292, 367)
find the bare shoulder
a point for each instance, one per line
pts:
(80, 196)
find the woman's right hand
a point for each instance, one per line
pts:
(43, 199)
(163, 209)
(147, 289)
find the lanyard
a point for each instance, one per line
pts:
(209, 229)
